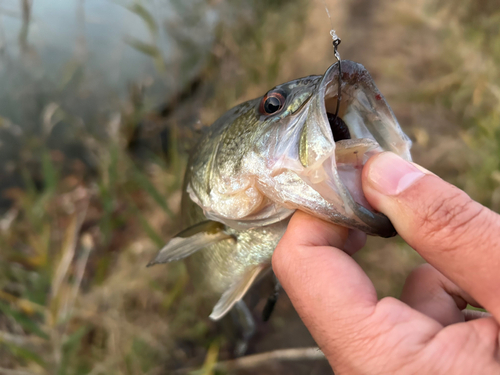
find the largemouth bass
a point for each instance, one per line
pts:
(270, 156)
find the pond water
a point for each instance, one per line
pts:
(108, 39)
(69, 68)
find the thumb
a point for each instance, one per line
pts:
(458, 236)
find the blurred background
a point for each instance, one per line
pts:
(100, 101)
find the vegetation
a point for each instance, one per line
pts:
(470, 88)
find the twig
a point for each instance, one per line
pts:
(20, 340)
(26, 13)
(61, 276)
(13, 339)
(87, 246)
(255, 360)
(8, 219)
(68, 251)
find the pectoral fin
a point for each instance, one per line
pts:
(236, 292)
(191, 240)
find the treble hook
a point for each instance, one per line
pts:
(336, 43)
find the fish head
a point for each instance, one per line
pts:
(288, 150)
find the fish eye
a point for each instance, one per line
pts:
(272, 102)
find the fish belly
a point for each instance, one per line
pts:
(215, 268)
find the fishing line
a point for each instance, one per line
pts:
(328, 13)
(336, 42)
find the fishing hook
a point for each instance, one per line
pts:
(336, 43)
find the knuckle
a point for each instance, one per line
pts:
(446, 219)
(359, 348)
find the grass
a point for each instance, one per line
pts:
(459, 71)
(473, 51)
(65, 240)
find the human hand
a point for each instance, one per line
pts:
(427, 331)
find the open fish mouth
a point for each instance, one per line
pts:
(363, 112)
(364, 126)
(255, 169)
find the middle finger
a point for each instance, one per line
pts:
(433, 294)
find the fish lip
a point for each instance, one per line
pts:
(376, 222)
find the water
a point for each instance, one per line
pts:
(68, 68)
(97, 36)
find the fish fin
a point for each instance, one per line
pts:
(190, 241)
(236, 292)
(271, 214)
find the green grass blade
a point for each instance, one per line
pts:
(25, 354)
(146, 16)
(144, 183)
(150, 231)
(143, 47)
(50, 177)
(23, 320)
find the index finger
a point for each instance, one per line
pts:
(327, 287)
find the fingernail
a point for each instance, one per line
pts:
(390, 175)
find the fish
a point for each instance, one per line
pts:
(262, 160)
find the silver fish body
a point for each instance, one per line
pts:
(270, 156)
